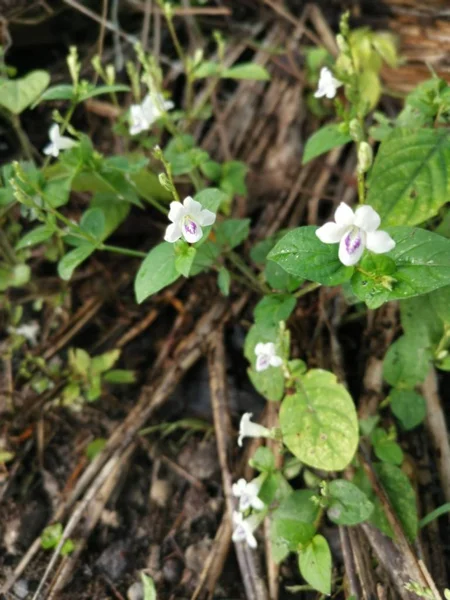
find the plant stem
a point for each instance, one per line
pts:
(245, 270)
(308, 288)
(125, 251)
(6, 249)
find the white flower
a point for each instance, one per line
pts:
(187, 221)
(244, 528)
(355, 231)
(247, 492)
(249, 429)
(266, 357)
(150, 110)
(327, 84)
(58, 142)
(28, 330)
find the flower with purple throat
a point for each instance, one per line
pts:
(355, 231)
(187, 221)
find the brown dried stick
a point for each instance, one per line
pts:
(437, 430)
(254, 585)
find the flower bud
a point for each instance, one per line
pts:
(365, 157)
(356, 131)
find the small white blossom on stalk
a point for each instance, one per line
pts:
(355, 231)
(266, 357)
(245, 528)
(249, 429)
(58, 142)
(142, 116)
(327, 85)
(247, 492)
(187, 221)
(28, 330)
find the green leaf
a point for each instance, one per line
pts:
(246, 71)
(234, 173)
(373, 279)
(302, 254)
(275, 308)
(56, 92)
(410, 179)
(184, 259)
(232, 232)
(319, 423)
(104, 89)
(408, 406)
(211, 169)
(263, 460)
(73, 259)
(224, 280)
(207, 68)
(120, 376)
(292, 523)
(385, 448)
(206, 256)
(104, 362)
(67, 548)
(315, 564)
(349, 505)
(18, 94)
(156, 272)
(149, 587)
(51, 536)
(422, 260)
(38, 235)
(212, 199)
(406, 363)
(401, 495)
(279, 279)
(57, 189)
(95, 447)
(93, 222)
(323, 140)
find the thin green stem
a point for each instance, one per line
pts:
(437, 512)
(307, 289)
(6, 249)
(247, 272)
(22, 137)
(125, 251)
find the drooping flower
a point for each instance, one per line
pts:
(187, 221)
(327, 85)
(247, 492)
(28, 330)
(142, 116)
(249, 429)
(355, 231)
(245, 528)
(266, 356)
(58, 142)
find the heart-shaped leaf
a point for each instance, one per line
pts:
(18, 94)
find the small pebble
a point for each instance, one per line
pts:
(172, 570)
(160, 492)
(20, 589)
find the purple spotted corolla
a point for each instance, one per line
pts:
(355, 231)
(187, 221)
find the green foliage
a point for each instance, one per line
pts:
(275, 308)
(302, 254)
(348, 505)
(315, 564)
(18, 94)
(149, 587)
(385, 447)
(156, 272)
(269, 383)
(408, 406)
(318, 422)
(405, 363)
(324, 139)
(410, 177)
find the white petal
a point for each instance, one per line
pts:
(239, 487)
(257, 503)
(351, 247)
(176, 212)
(259, 349)
(53, 132)
(51, 150)
(262, 362)
(192, 232)
(269, 348)
(367, 218)
(206, 217)
(344, 215)
(173, 233)
(331, 233)
(64, 143)
(192, 207)
(379, 242)
(276, 361)
(251, 540)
